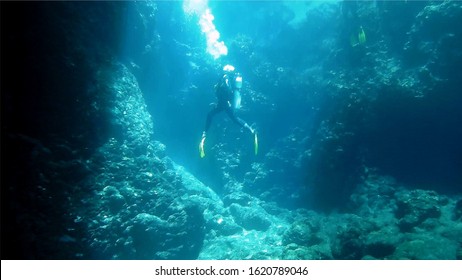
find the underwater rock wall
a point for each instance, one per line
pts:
(84, 179)
(424, 100)
(389, 105)
(138, 206)
(399, 107)
(53, 120)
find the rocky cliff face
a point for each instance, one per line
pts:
(388, 106)
(80, 160)
(52, 120)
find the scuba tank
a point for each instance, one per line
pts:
(237, 91)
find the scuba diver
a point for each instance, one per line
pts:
(228, 95)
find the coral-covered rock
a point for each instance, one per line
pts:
(415, 207)
(149, 234)
(351, 234)
(302, 232)
(382, 243)
(316, 252)
(458, 210)
(250, 217)
(426, 247)
(114, 199)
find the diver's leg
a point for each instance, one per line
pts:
(208, 122)
(242, 123)
(238, 120)
(210, 116)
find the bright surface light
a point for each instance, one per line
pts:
(215, 47)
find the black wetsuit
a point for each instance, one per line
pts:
(225, 96)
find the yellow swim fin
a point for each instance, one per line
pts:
(358, 39)
(362, 36)
(201, 148)
(256, 144)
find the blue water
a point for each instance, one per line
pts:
(356, 105)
